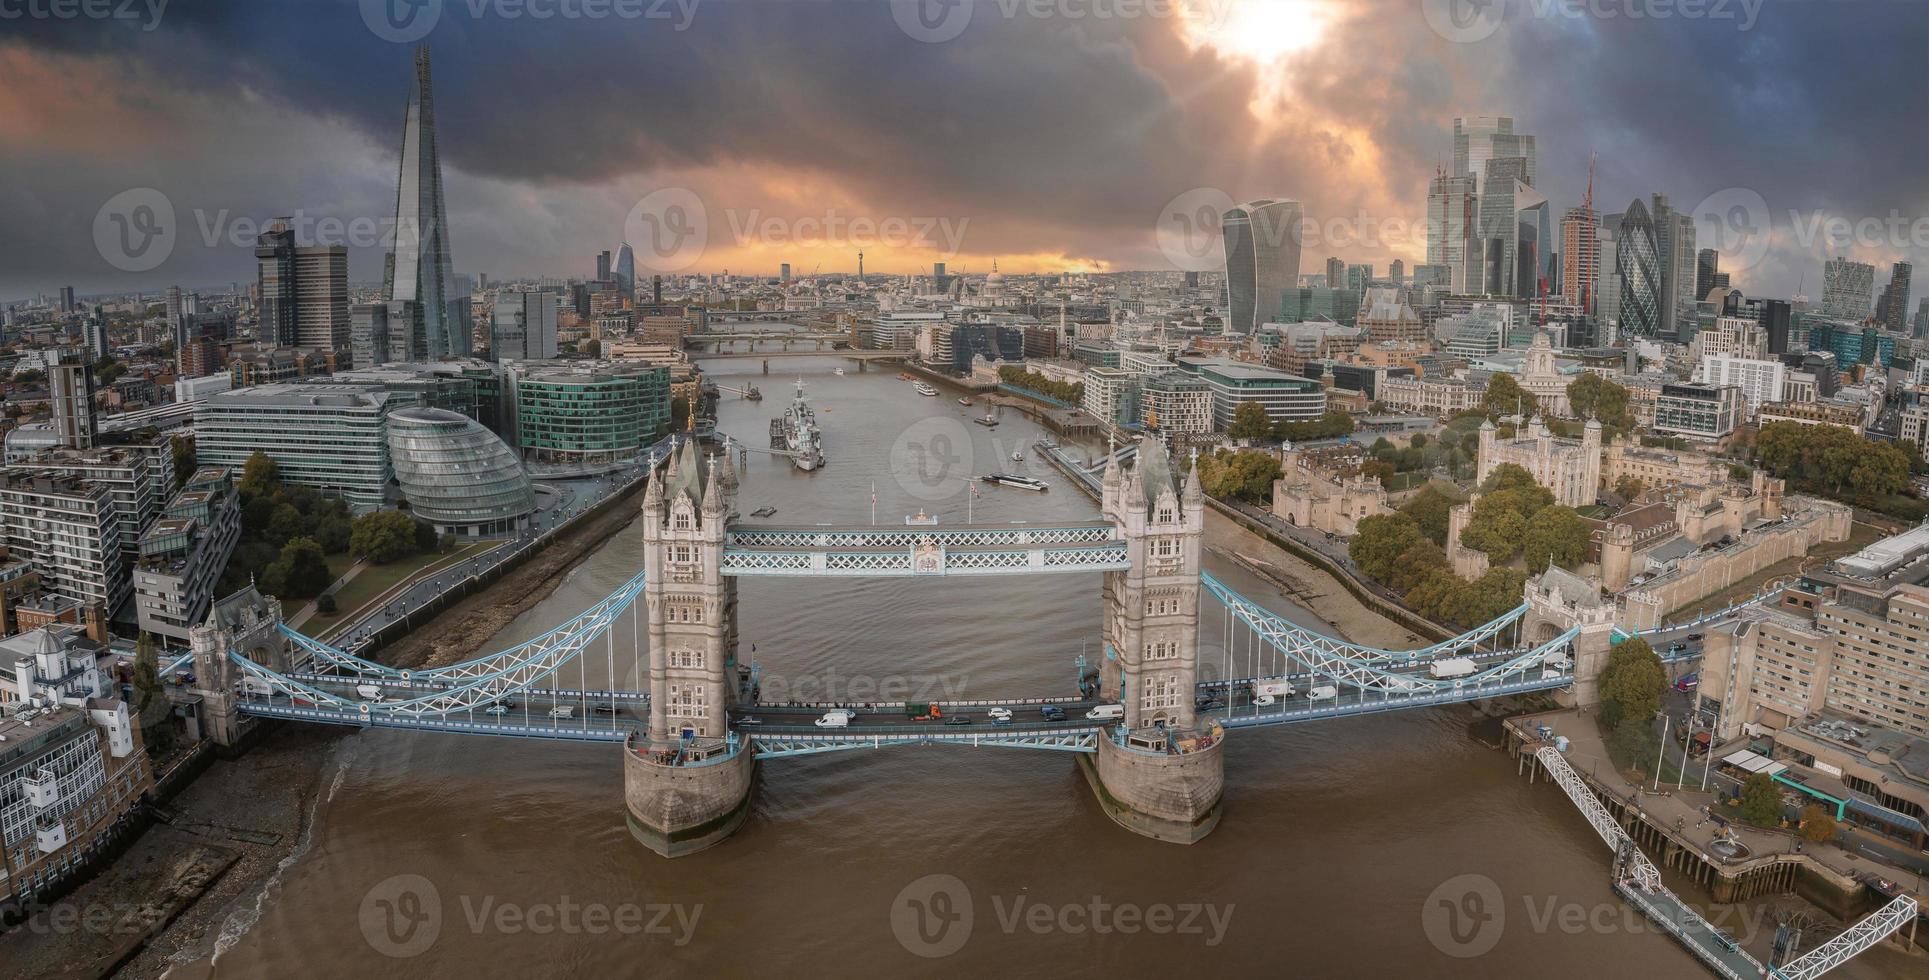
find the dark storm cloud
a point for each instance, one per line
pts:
(1064, 135)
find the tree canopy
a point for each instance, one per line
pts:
(1247, 475)
(1330, 425)
(1592, 396)
(1631, 682)
(1250, 421)
(1832, 459)
(1505, 396)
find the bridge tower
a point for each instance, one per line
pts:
(1156, 775)
(1559, 600)
(687, 786)
(244, 622)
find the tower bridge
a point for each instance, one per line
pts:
(1147, 722)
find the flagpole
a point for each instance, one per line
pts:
(873, 503)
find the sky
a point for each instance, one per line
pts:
(1043, 135)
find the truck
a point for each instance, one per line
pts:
(369, 692)
(914, 710)
(1277, 688)
(255, 685)
(1451, 667)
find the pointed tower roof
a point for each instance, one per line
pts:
(1154, 471)
(712, 490)
(685, 478)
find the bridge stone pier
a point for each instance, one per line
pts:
(686, 784)
(247, 623)
(1151, 632)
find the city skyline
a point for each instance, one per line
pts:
(1283, 100)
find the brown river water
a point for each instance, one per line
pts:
(1341, 852)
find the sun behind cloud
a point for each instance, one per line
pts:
(1260, 31)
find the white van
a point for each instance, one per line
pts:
(251, 684)
(1106, 712)
(369, 692)
(1323, 693)
(562, 711)
(835, 719)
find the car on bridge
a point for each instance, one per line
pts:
(996, 713)
(1051, 712)
(1106, 712)
(957, 720)
(835, 719)
(496, 709)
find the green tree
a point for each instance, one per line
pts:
(1818, 824)
(593, 347)
(332, 533)
(182, 448)
(300, 572)
(1246, 475)
(151, 709)
(679, 413)
(1631, 682)
(1629, 487)
(1331, 424)
(286, 524)
(1499, 533)
(1250, 421)
(1555, 534)
(383, 536)
(1510, 476)
(1430, 508)
(260, 476)
(1380, 541)
(1505, 396)
(425, 537)
(1592, 396)
(325, 604)
(1761, 800)
(1634, 745)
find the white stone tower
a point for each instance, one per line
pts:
(1151, 616)
(691, 605)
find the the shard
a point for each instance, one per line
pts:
(420, 278)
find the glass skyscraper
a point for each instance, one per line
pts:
(420, 270)
(1262, 260)
(1638, 266)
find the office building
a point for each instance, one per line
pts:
(1285, 397)
(1480, 139)
(624, 271)
(1760, 381)
(1674, 240)
(70, 397)
(68, 530)
(1848, 288)
(420, 270)
(585, 416)
(1174, 401)
(523, 326)
(1892, 308)
(1581, 258)
(1707, 266)
(321, 297)
(183, 553)
(277, 297)
(1638, 267)
(66, 299)
(368, 335)
(457, 475)
(332, 437)
(1389, 320)
(1262, 242)
(603, 266)
(71, 775)
(1699, 411)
